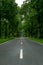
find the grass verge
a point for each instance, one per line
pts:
(40, 41)
(2, 40)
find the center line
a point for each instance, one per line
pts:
(21, 53)
(21, 42)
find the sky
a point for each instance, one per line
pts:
(19, 2)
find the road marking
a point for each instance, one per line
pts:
(21, 43)
(21, 53)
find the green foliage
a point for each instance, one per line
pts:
(8, 18)
(33, 15)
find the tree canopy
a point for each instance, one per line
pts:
(33, 15)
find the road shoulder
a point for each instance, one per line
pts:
(34, 41)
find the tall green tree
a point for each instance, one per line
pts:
(8, 20)
(33, 16)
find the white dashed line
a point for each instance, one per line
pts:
(21, 43)
(21, 53)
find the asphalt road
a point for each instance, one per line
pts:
(21, 51)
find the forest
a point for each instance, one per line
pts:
(26, 20)
(9, 19)
(33, 17)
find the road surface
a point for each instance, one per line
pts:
(21, 51)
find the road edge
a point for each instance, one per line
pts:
(6, 42)
(35, 41)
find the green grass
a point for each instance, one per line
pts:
(40, 41)
(2, 40)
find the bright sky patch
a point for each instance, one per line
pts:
(19, 2)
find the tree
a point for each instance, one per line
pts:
(33, 16)
(8, 18)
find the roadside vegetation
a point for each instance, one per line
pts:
(33, 19)
(2, 40)
(37, 40)
(9, 20)
(26, 20)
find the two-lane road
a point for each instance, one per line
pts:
(21, 51)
